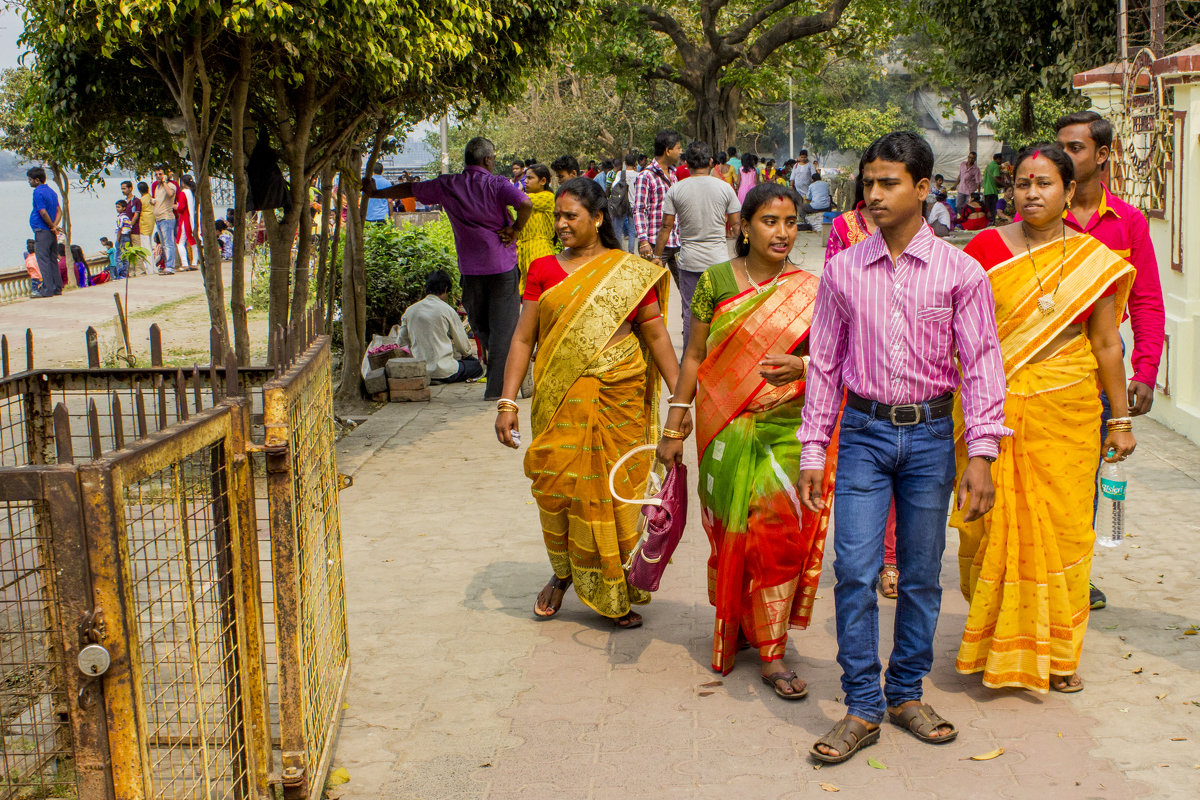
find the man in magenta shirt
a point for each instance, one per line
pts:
(1087, 138)
(891, 313)
(477, 201)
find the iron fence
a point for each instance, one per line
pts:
(166, 630)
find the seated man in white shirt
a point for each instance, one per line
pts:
(939, 217)
(434, 333)
(819, 201)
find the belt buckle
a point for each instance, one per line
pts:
(905, 410)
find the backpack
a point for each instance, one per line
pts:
(618, 198)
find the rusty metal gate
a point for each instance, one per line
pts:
(168, 629)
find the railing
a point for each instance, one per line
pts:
(14, 285)
(163, 636)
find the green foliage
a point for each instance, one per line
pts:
(1047, 108)
(1006, 50)
(851, 103)
(397, 262)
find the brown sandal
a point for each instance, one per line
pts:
(787, 676)
(847, 737)
(556, 585)
(922, 722)
(1066, 687)
(629, 621)
(891, 574)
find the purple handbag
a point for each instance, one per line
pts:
(664, 515)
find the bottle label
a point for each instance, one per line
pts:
(1112, 490)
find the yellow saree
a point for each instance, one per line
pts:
(1025, 566)
(592, 403)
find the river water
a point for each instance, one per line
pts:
(92, 216)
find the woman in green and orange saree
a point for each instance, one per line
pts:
(594, 313)
(745, 367)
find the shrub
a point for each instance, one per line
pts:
(397, 262)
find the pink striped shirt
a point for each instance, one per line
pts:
(890, 332)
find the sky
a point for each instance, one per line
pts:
(10, 29)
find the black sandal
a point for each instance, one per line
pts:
(629, 621)
(556, 584)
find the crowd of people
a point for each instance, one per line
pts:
(807, 394)
(160, 219)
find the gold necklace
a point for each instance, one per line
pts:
(759, 288)
(1045, 302)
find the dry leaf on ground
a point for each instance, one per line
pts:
(829, 787)
(999, 751)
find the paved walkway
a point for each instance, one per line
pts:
(458, 693)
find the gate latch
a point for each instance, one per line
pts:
(94, 660)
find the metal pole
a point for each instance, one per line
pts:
(445, 131)
(1123, 32)
(1158, 24)
(791, 122)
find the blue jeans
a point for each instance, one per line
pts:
(876, 462)
(687, 288)
(166, 235)
(626, 235)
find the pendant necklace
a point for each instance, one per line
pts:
(759, 288)
(1045, 302)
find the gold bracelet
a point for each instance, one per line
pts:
(673, 434)
(507, 405)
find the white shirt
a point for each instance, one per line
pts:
(802, 177)
(700, 205)
(435, 334)
(939, 213)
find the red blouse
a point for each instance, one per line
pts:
(989, 249)
(546, 272)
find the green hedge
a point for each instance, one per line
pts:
(397, 262)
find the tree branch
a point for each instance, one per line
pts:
(739, 34)
(792, 28)
(709, 11)
(664, 23)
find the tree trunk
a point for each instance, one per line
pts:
(280, 235)
(63, 182)
(323, 272)
(1027, 113)
(717, 110)
(237, 281)
(354, 291)
(968, 109)
(210, 262)
(335, 265)
(303, 244)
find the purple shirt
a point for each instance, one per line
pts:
(476, 201)
(889, 332)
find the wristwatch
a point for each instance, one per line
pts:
(989, 459)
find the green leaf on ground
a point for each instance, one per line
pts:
(875, 764)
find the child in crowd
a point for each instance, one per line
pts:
(106, 246)
(118, 263)
(63, 270)
(1006, 210)
(35, 274)
(225, 240)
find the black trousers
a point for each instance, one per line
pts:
(989, 204)
(45, 248)
(493, 305)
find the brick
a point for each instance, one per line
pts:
(376, 381)
(415, 396)
(407, 384)
(379, 397)
(405, 368)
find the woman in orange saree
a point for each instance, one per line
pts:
(745, 368)
(1025, 565)
(594, 313)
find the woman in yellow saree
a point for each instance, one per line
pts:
(594, 313)
(744, 365)
(1025, 566)
(537, 237)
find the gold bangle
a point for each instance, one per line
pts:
(673, 434)
(507, 405)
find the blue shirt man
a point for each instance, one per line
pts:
(377, 207)
(817, 195)
(44, 222)
(44, 199)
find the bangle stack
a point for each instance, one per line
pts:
(1123, 424)
(507, 405)
(673, 434)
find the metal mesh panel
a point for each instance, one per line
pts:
(14, 436)
(180, 562)
(36, 754)
(317, 528)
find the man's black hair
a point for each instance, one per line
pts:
(567, 164)
(378, 168)
(664, 141)
(731, 151)
(143, 187)
(37, 173)
(438, 282)
(698, 155)
(904, 147)
(631, 159)
(1100, 129)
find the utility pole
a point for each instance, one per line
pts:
(1158, 24)
(1123, 32)
(791, 123)
(444, 127)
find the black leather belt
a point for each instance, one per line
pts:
(907, 414)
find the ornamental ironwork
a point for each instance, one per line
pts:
(1144, 137)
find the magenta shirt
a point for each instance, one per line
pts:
(477, 203)
(890, 332)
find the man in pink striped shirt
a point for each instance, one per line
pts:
(891, 314)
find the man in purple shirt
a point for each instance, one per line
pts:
(891, 312)
(485, 236)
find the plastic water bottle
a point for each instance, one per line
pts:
(1112, 493)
